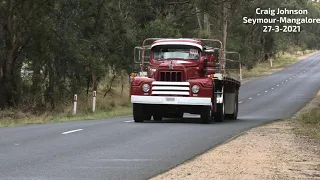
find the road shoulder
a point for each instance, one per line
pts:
(272, 151)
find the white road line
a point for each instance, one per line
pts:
(286, 80)
(240, 102)
(272, 88)
(68, 132)
(278, 85)
(290, 78)
(282, 82)
(266, 91)
(129, 121)
(250, 98)
(258, 94)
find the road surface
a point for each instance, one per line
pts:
(121, 149)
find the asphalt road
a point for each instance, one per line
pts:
(120, 149)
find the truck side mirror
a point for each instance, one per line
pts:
(216, 53)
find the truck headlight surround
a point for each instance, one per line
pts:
(146, 88)
(195, 89)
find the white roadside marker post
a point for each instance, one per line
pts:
(94, 101)
(75, 104)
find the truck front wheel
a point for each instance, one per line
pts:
(206, 115)
(138, 113)
(157, 117)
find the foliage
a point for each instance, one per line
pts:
(51, 49)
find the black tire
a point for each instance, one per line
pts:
(206, 115)
(219, 114)
(234, 116)
(157, 117)
(138, 113)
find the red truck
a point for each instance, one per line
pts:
(178, 76)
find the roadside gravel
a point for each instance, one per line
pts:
(272, 151)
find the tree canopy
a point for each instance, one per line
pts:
(55, 48)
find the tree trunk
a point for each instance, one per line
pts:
(36, 81)
(225, 25)
(17, 82)
(122, 83)
(50, 90)
(206, 23)
(7, 82)
(199, 18)
(9, 90)
(94, 80)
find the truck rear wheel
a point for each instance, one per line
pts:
(234, 116)
(138, 114)
(206, 115)
(219, 114)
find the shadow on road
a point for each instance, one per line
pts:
(188, 120)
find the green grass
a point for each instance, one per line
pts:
(310, 123)
(283, 60)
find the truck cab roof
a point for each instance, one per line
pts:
(179, 41)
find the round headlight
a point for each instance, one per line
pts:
(195, 89)
(146, 88)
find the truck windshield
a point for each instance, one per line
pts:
(180, 53)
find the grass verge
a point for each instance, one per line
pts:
(310, 123)
(307, 120)
(63, 117)
(282, 61)
(115, 104)
(307, 124)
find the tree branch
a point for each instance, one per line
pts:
(109, 88)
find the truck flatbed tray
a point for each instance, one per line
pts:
(227, 78)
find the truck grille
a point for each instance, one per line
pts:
(173, 76)
(160, 88)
